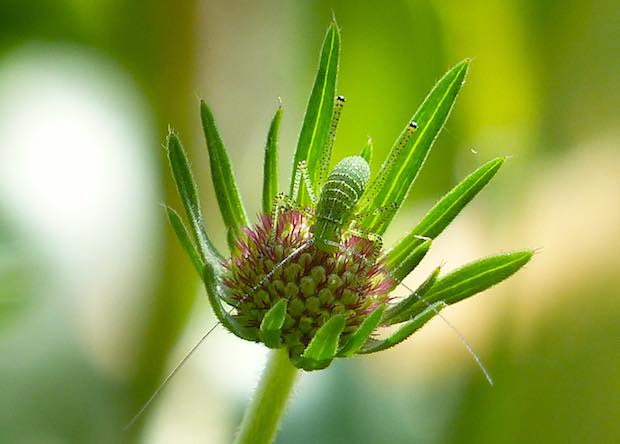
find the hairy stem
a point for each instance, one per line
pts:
(262, 417)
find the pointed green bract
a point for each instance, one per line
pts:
(317, 119)
(184, 238)
(323, 346)
(363, 332)
(271, 325)
(475, 277)
(366, 153)
(226, 190)
(400, 169)
(402, 311)
(478, 276)
(186, 186)
(270, 166)
(405, 331)
(410, 260)
(444, 211)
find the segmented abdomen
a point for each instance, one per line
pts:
(343, 188)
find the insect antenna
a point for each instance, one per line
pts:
(450, 325)
(456, 331)
(327, 150)
(281, 264)
(170, 375)
(191, 351)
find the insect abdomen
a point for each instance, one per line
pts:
(339, 196)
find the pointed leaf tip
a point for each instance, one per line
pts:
(444, 211)
(317, 120)
(357, 340)
(271, 325)
(366, 153)
(188, 191)
(477, 276)
(409, 152)
(224, 182)
(323, 346)
(270, 166)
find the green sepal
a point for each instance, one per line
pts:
(366, 153)
(186, 186)
(270, 165)
(271, 325)
(401, 167)
(444, 211)
(323, 346)
(317, 120)
(226, 190)
(405, 331)
(357, 340)
(474, 277)
(183, 236)
(401, 270)
(401, 312)
(214, 293)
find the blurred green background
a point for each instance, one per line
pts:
(97, 300)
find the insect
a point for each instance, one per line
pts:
(336, 208)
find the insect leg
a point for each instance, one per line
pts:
(302, 173)
(377, 244)
(282, 201)
(327, 150)
(394, 154)
(385, 211)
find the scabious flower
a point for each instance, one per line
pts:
(279, 287)
(315, 285)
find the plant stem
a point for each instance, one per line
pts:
(262, 417)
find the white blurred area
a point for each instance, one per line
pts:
(78, 180)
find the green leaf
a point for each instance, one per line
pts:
(182, 173)
(401, 270)
(183, 236)
(444, 212)
(363, 332)
(315, 128)
(404, 161)
(402, 311)
(271, 325)
(214, 293)
(405, 331)
(323, 346)
(366, 153)
(226, 191)
(270, 167)
(475, 277)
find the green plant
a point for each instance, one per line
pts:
(310, 301)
